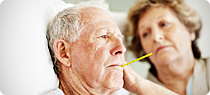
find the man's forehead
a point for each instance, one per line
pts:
(96, 17)
(91, 12)
(90, 9)
(100, 20)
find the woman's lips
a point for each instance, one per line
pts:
(161, 47)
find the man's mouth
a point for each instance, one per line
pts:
(115, 65)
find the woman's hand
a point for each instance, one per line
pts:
(131, 79)
(133, 82)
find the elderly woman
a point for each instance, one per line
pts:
(169, 29)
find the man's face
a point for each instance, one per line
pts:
(97, 55)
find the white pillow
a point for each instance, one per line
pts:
(46, 78)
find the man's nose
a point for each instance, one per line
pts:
(158, 35)
(119, 48)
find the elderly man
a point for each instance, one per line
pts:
(87, 50)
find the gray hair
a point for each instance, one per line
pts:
(68, 25)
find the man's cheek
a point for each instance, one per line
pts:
(94, 76)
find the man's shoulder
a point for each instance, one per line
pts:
(56, 92)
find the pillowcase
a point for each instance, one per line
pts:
(46, 77)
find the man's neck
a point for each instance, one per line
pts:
(71, 87)
(71, 84)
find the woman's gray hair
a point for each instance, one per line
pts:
(68, 25)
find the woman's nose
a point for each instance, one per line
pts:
(118, 47)
(158, 35)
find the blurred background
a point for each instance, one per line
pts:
(121, 7)
(114, 5)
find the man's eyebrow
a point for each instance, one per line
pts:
(109, 32)
(118, 35)
(121, 36)
(101, 30)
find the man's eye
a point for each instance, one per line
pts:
(103, 36)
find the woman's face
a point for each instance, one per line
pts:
(162, 33)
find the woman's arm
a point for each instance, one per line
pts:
(135, 83)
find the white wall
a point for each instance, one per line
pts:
(203, 8)
(114, 5)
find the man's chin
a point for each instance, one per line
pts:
(116, 87)
(115, 84)
(114, 79)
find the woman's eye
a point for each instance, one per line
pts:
(164, 24)
(145, 34)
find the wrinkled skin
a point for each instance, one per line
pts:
(97, 55)
(160, 27)
(163, 34)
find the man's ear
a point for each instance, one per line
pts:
(62, 51)
(192, 36)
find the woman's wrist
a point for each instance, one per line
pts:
(147, 87)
